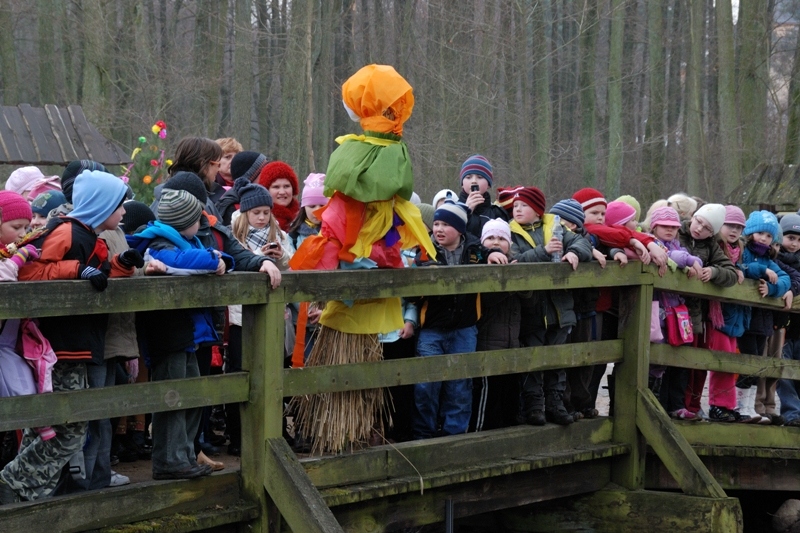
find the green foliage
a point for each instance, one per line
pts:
(149, 168)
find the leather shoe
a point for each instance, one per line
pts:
(190, 472)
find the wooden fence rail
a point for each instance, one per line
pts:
(263, 385)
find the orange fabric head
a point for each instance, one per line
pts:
(381, 98)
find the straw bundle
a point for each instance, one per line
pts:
(339, 420)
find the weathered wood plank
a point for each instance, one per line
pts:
(109, 402)
(475, 497)
(311, 380)
(92, 143)
(735, 363)
(612, 511)
(60, 133)
(391, 487)
(735, 473)
(318, 285)
(121, 505)
(635, 305)
(740, 435)
(39, 128)
(297, 499)
(74, 138)
(21, 136)
(451, 453)
(12, 155)
(673, 449)
(135, 294)
(746, 293)
(204, 520)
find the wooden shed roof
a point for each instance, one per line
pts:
(769, 186)
(53, 135)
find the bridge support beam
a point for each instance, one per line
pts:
(615, 510)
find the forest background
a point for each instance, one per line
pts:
(644, 97)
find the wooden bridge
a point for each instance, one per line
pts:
(615, 471)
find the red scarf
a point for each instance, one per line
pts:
(285, 214)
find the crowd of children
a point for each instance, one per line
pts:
(226, 209)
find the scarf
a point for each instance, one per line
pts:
(285, 214)
(257, 238)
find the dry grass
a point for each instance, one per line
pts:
(339, 421)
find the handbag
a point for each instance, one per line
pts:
(679, 325)
(656, 335)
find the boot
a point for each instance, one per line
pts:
(745, 405)
(554, 410)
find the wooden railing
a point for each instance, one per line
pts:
(266, 461)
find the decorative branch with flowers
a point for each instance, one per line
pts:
(148, 167)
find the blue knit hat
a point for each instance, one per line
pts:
(251, 195)
(477, 164)
(569, 210)
(454, 214)
(762, 221)
(47, 201)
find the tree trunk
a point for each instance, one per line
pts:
(9, 81)
(543, 106)
(615, 127)
(726, 95)
(586, 94)
(695, 140)
(791, 155)
(654, 148)
(243, 73)
(753, 79)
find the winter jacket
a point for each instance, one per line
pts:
(304, 230)
(792, 260)
(501, 313)
(482, 214)
(121, 334)
(453, 311)
(554, 306)
(66, 248)
(723, 271)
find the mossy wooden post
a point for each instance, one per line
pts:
(262, 357)
(635, 305)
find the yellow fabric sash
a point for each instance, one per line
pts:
(548, 223)
(367, 139)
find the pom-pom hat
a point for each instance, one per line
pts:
(251, 195)
(14, 207)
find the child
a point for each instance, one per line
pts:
(243, 165)
(43, 204)
(476, 180)
(16, 377)
(722, 335)
(760, 230)
(622, 215)
(697, 236)
(548, 316)
(448, 325)
(306, 223)
(71, 249)
(788, 389)
(171, 337)
(496, 398)
(441, 196)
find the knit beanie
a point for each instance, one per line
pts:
(714, 215)
(95, 196)
(14, 207)
(23, 178)
(190, 182)
(48, 183)
(633, 202)
(179, 209)
(505, 198)
(278, 170)
(247, 165)
(790, 224)
(426, 211)
(664, 216)
(137, 214)
(589, 198)
(496, 228)
(312, 190)
(760, 221)
(47, 201)
(533, 197)
(734, 215)
(569, 210)
(73, 170)
(444, 194)
(477, 164)
(619, 213)
(454, 214)
(251, 195)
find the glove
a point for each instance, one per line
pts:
(131, 258)
(97, 278)
(25, 254)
